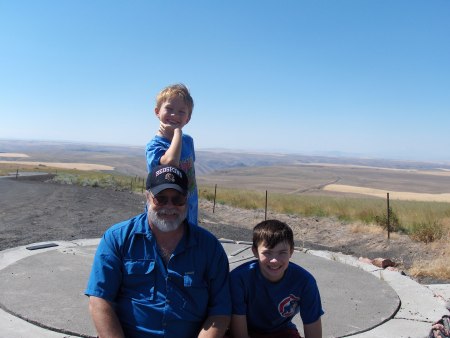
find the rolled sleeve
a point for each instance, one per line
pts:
(219, 292)
(106, 274)
(155, 149)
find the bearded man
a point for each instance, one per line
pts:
(156, 275)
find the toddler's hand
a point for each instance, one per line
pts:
(167, 130)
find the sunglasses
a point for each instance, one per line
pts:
(161, 200)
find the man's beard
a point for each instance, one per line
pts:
(163, 224)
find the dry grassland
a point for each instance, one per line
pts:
(77, 166)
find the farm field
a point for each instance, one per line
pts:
(337, 180)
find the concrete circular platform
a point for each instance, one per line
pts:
(45, 287)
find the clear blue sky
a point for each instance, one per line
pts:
(362, 77)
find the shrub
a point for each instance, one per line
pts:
(427, 231)
(66, 179)
(394, 222)
(207, 194)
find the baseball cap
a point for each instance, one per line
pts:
(165, 177)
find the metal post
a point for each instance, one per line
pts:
(17, 173)
(265, 209)
(215, 192)
(388, 218)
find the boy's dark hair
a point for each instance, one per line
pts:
(272, 232)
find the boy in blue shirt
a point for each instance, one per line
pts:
(171, 146)
(268, 292)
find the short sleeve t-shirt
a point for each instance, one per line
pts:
(269, 306)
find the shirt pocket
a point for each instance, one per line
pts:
(139, 275)
(196, 292)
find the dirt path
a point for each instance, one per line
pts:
(33, 211)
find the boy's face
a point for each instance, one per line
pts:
(273, 262)
(174, 112)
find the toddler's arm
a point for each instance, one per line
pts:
(173, 154)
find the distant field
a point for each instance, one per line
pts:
(125, 160)
(397, 195)
(290, 174)
(13, 155)
(337, 180)
(77, 166)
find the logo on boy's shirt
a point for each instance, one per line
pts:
(288, 306)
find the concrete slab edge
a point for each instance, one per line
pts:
(419, 304)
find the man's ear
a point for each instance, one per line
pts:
(156, 112)
(147, 196)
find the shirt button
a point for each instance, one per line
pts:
(168, 301)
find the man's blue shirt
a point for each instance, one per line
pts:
(155, 300)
